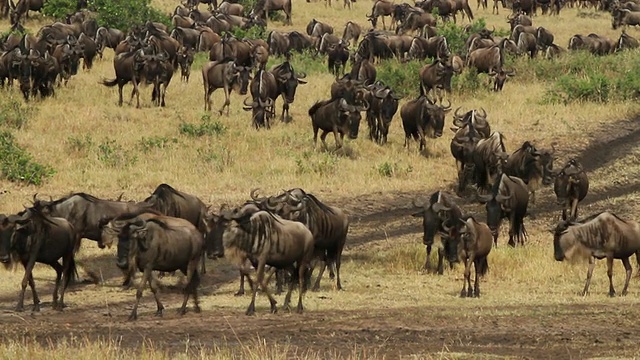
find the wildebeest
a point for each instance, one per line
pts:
(626, 41)
(472, 246)
(351, 32)
(226, 75)
(471, 127)
(338, 57)
(436, 75)
(155, 244)
(500, 77)
(128, 67)
(287, 80)
(33, 237)
(185, 60)
(23, 7)
(434, 47)
(337, 116)
(270, 240)
(383, 104)
(488, 159)
(263, 7)
(571, 186)
(490, 58)
(509, 198)
(527, 43)
(422, 118)
(87, 213)
(438, 214)
(381, 8)
(89, 51)
(317, 28)
(625, 17)
(533, 166)
(603, 235)
(362, 70)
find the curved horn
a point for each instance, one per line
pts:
(484, 114)
(456, 113)
(437, 207)
(363, 107)
(248, 104)
(445, 227)
(417, 203)
(448, 107)
(254, 196)
(271, 205)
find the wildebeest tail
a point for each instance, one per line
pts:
(315, 107)
(72, 270)
(110, 83)
(483, 266)
(519, 230)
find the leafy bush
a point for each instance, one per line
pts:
(17, 164)
(468, 81)
(254, 32)
(457, 35)
(392, 169)
(113, 154)
(206, 127)
(13, 112)
(400, 77)
(324, 165)
(59, 8)
(146, 144)
(122, 14)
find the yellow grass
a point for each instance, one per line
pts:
(384, 274)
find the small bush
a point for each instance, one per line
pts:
(121, 14)
(457, 36)
(400, 77)
(146, 144)
(306, 62)
(113, 154)
(594, 87)
(79, 143)
(325, 165)
(254, 32)
(13, 112)
(59, 9)
(392, 169)
(207, 127)
(468, 81)
(17, 165)
(220, 158)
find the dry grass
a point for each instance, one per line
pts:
(222, 168)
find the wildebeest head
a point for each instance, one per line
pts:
(6, 239)
(500, 77)
(185, 60)
(495, 204)
(433, 214)
(437, 113)
(217, 223)
(350, 115)
(570, 182)
(288, 80)
(477, 119)
(239, 76)
(262, 111)
(561, 244)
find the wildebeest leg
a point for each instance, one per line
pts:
(28, 268)
(241, 290)
(476, 285)
(628, 270)
(574, 209)
(280, 277)
(612, 291)
(338, 137)
(316, 285)
(467, 277)
(193, 281)
(302, 269)
(592, 264)
(146, 277)
(58, 268)
(36, 299)
(120, 86)
(323, 136)
(203, 268)
(337, 262)
(226, 100)
(137, 91)
(287, 298)
(427, 262)
(68, 273)
(153, 285)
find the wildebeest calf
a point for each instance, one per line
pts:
(472, 246)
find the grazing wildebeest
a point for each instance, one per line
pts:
(351, 32)
(381, 8)
(533, 166)
(33, 237)
(571, 186)
(603, 235)
(472, 246)
(22, 8)
(87, 213)
(438, 214)
(335, 116)
(626, 41)
(422, 118)
(328, 224)
(171, 202)
(156, 244)
(270, 240)
(317, 28)
(263, 7)
(226, 75)
(509, 198)
(362, 70)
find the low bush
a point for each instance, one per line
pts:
(207, 127)
(17, 165)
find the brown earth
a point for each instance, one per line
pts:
(556, 331)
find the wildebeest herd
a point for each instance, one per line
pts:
(289, 234)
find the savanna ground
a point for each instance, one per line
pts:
(530, 307)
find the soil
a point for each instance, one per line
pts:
(559, 331)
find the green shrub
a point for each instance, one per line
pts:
(122, 14)
(207, 127)
(113, 154)
(219, 158)
(13, 112)
(456, 35)
(17, 164)
(400, 77)
(79, 143)
(468, 81)
(254, 32)
(146, 144)
(324, 165)
(593, 87)
(59, 8)
(392, 169)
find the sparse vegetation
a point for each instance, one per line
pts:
(113, 154)
(17, 165)
(13, 112)
(207, 127)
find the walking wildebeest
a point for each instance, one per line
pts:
(571, 186)
(488, 159)
(472, 246)
(87, 213)
(128, 67)
(270, 240)
(599, 236)
(422, 118)
(533, 166)
(156, 244)
(436, 213)
(288, 80)
(508, 198)
(383, 105)
(226, 75)
(171, 202)
(335, 116)
(33, 237)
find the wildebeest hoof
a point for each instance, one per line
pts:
(250, 312)
(286, 308)
(159, 313)
(612, 293)
(463, 294)
(36, 308)
(197, 309)
(182, 311)
(470, 293)
(19, 308)
(624, 293)
(133, 316)
(300, 309)
(239, 293)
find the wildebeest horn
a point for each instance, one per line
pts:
(445, 227)
(484, 114)
(456, 113)
(271, 205)
(254, 196)
(448, 107)
(437, 207)
(301, 75)
(382, 93)
(363, 107)
(494, 30)
(500, 198)
(248, 104)
(484, 198)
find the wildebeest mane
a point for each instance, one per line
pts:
(134, 214)
(319, 203)
(85, 196)
(160, 223)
